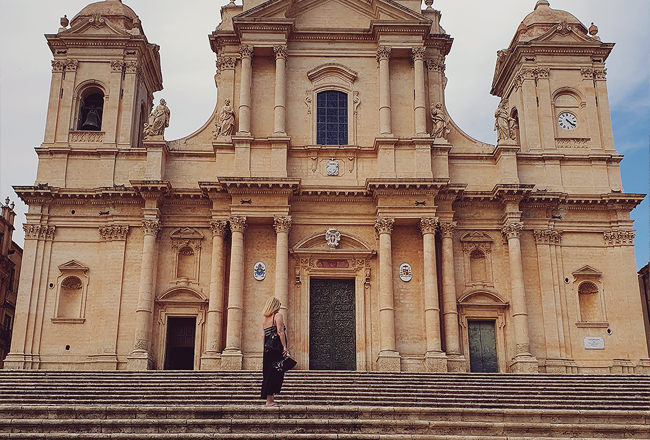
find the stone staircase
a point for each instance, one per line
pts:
(321, 405)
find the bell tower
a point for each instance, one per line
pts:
(104, 74)
(552, 82)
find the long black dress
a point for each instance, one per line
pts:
(272, 378)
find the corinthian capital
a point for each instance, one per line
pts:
(418, 53)
(447, 229)
(280, 51)
(218, 228)
(383, 53)
(428, 225)
(246, 51)
(237, 223)
(151, 227)
(71, 65)
(384, 225)
(58, 66)
(512, 230)
(282, 224)
(548, 236)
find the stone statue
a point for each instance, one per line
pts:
(504, 124)
(158, 121)
(440, 121)
(226, 123)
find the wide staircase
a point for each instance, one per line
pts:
(321, 405)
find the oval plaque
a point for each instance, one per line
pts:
(405, 272)
(259, 271)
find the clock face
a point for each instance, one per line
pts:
(567, 120)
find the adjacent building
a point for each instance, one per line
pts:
(331, 176)
(10, 259)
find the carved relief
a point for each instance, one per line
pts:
(226, 63)
(355, 102)
(587, 72)
(447, 228)
(436, 64)
(600, 74)
(308, 94)
(158, 121)
(97, 20)
(384, 225)
(151, 227)
(332, 237)
(417, 53)
(117, 66)
(548, 236)
(573, 143)
(440, 122)
(625, 238)
(131, 67)
(504, 125)
(226, 123)
(71, 65)
(58, 66)
(113, 232)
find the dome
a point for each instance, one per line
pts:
(539, 21)
(115, 11)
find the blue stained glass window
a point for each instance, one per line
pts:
(332, 118)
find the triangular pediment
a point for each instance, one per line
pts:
(331, 14)
(186, 234)
(476, 237)
(73, 265)
(587, 271)
(94, 25)
(565, 33)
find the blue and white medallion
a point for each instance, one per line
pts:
(259, 271)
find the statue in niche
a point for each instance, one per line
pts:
(158, 121)
(440, 121)
(226, 123)
(504, 124)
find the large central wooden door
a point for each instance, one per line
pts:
(332, 327)
(180, 343)
(482, 347)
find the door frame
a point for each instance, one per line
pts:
(168, 316)
(353, 257)
(494, 323)
(484, 305)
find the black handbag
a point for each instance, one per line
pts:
(285, 364)
(273, 342)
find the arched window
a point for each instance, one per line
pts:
(588, 297)
(91, 109)
(332, 118)
(70, 299)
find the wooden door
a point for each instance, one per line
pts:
(332, 326)
(180, 343)
(482, 347)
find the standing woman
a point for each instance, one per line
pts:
(272, 323)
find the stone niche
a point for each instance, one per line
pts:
(589, 295)
(71, 294)
(186, 248)
(477, 260)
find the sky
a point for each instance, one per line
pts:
(181, 28)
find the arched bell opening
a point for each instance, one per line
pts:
(91, 109)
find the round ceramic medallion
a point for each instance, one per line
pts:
(405, 272)
(259, 271)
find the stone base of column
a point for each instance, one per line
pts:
(139, 361)
(558, 366)
(435, 362)
(232, 360)
(102, 362)
(524, 364)
(15, 361)
(389, 361)
(621, 366)
(456, 363)
(211, 362)
(642, 367)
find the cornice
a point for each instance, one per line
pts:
(42, 194)
(260, 185)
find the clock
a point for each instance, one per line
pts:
(567, 120)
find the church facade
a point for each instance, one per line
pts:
(331, 176)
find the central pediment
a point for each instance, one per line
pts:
(330, 14)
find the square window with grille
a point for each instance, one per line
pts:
(332, 118)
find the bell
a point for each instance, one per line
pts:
(92, 121)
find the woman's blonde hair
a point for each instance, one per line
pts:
(272, 306)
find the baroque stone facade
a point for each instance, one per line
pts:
(331, 176)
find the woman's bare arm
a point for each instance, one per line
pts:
(279, 322)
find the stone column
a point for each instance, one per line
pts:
(383, 56)
(282, 226)
(141, 358)
(389, 358)
(280, 86)
(231, 358)
(435, 359)
(523, 362)
(246, 52)
(420, 100)
(211, 360)
(456, 361)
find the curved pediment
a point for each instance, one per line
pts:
(182, 295)
(347, 243)
(482, 297)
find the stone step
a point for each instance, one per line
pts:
(271, 436)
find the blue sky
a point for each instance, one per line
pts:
(479, 29)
